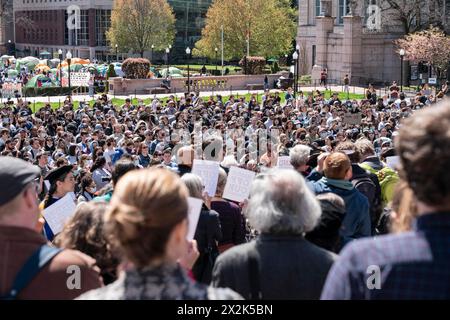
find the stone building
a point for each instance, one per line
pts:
(355, 38)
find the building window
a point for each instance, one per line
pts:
(313, 55)
(318, 8)
(78, 37)
(343, 10)
(102, 24)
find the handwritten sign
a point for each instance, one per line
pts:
(238, 185)
(352, 118)
(209, 172)
(194, 209)
(60, 212)
(77, 79)
(284, 163)
(9, 90)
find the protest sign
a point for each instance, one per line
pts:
(194, 209)
(352, 118)
(238, 185)
(58, 213)
(9, 90)
(393, 162)
(284, 163)
(77, 79)
(209, 172)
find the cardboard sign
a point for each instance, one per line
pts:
(352, 118)
(238, 185)
(284, 163)
(9, 90)
(194, 209)
(60, 212)
(209, 172)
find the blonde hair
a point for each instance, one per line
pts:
(404, 204)
(145, 208)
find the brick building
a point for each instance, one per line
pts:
(42, 25)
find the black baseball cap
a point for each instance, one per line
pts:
(15, 175)
(55, 174)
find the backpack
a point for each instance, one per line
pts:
(388, 179)
(367, 184)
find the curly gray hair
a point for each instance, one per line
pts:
(281, 203)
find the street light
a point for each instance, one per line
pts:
(216, 50)
(153, 47)
(168, 59)
(69, 60)
(295, 58)
(117, 52)
(297, 50)
(60, 54)
(188, 53)
(402, 55)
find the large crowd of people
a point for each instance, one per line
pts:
(367, 185)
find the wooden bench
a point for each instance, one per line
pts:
(254, 86)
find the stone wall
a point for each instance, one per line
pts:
(120, 86)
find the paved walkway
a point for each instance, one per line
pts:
(357, 90)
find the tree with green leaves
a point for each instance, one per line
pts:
(138, 24)
(268, 25)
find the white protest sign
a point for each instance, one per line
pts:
(284, 162)
(352, 118)
(77, 79)
(209, 172)
(432, 81)
(9, 90)
(194, 209)
(393, 162)
(238, 185)
(58, 213)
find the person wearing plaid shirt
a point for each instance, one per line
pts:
(414, 264)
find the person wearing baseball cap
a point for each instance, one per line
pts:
(30, 269)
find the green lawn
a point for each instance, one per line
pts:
(118, 102)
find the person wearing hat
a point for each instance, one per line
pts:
(20, 244)
(61, 182)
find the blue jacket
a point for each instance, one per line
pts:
(356, 222)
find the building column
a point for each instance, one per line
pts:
(352, 51)
(324, 26)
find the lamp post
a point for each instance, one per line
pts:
(188, 54)
(117, 52)
(402, 55)
(69, 60)
(168, 59)
(60, 54)
(216, 50)
(295, 58)
(153, 47)
(297, 50)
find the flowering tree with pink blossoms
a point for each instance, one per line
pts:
(431, 46)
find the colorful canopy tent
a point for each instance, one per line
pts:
(29, 62)
(74, 67)
(45, 55)
(45, 82)
(53, 63)
(12, 73)
(42, 68)
(5, 58)
(74, 61)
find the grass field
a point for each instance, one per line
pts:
(118, 102)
